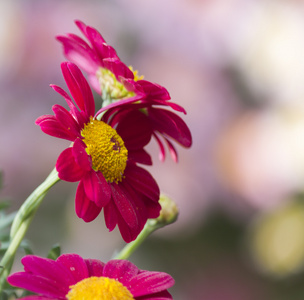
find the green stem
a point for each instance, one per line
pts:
(150, 227)
(22, 222)
(168, 215)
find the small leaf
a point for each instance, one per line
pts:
(26, 247)
(54, 252)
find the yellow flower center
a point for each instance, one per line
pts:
(135, 72)
(106, 148)
(111, 88)
(99, 288)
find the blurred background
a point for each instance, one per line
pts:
(237, 67)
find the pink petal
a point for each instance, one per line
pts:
(121, 199)
(85, 208)
(140, 203)
(153, 90)
(169, 123)
(172, 151)
(111, 215)
(140, 156)
(147, 283)
(102, 49)
(50, 269)
(78, 116)
(135, 130)
(128, 234)
(67, 121)
(36, 298)
(75, 264)
(118, 68)
(79, 88)
(95, 267)
(37, 284)
(96, 188)
(78, 52)
(162, 152)
(67, 167)
(50, 125)
(164, 295)
(142, 181)
(122, 270)
(81, 157)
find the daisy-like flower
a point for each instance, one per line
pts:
(71, 277)
(120, 85)
(103, 158)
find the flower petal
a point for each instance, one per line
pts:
(81, 157)
(135, 130)
(79, 52)
(122, 201)
(37, 284)
(85, 208)
(75, 264)
(140, 156)
(147, 283)
(118, 68)
(96, 188)
(36, 298)
(95, 267)
(50, 125)
(122, 270)
(50, 269)
(154, 90)
(167, 122)
(164, 295)
(67, 167)
(142, 181)
(67, 121)
(79, 88)
(162, 152)
(111, 215)
(78, 115)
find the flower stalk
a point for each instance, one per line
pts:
(168, 215)
(22, 222)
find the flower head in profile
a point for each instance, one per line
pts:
(103, 158)
(120, 86)
(71, 277)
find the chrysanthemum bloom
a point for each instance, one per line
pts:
(103, 157)
(71, 277)
(111, 78)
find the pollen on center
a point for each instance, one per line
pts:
(106, 148)
(99, 288)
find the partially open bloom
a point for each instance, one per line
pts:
(120, 85)
(71, 277)
(103, 158)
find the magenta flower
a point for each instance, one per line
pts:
(111, 78)
(73, 278)
(103, 158)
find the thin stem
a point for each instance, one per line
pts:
(22, 222)
(168, 215)
(150, 227)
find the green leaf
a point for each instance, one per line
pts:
(4, 204)
(26, 247)
(54, 252)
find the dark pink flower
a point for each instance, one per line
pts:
(103, 158)
(111, 78)
(71, 277)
